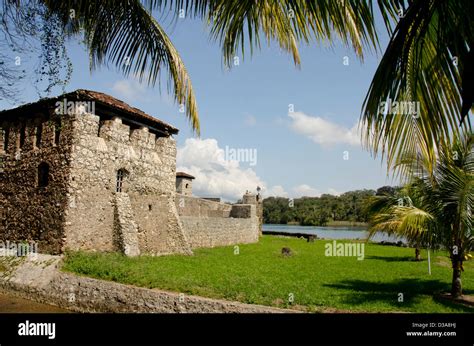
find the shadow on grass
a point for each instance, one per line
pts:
(454, 305)
(360, 291)
(394, 258)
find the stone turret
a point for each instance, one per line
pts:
(184, 183)
(250, 198)
(85, 171)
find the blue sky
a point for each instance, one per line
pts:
(247, 107)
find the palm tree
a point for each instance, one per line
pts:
(439, 208)
(401, 215)
(126, 34)
(453, 201)
(428, 60)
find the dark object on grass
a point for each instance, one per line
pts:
(389, 243)
(311, 238)
(417, 254)
(286, 251)
(287, 234)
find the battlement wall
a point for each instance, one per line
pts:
(35, 152)
(195, 206)
(208, 223)
(147, 163)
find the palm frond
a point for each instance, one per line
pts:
(236, 24)
(455, 172)
(126, 34)
(424, 62)
(409, 222)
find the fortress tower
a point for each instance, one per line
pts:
(250, 198)
(85, 171)
(184, 183)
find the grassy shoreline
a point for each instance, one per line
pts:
(259, 274)
(328, 224)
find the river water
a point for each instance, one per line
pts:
(12, 304)
(356, 233)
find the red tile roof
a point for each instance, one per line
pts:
(184, 175)
(122, 109)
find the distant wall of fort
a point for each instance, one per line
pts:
(209, 224)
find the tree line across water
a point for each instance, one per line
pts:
(347, 208)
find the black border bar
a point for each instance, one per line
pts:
(289, 329)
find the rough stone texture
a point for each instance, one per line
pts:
(29, 212)
(194, 206)
(250, 198)
(184, 186)
(34, 272)
(41, 281)
(215, 231)
(150, 166)
(243, 211)
(208, 224)
(125, 227)
(78, 207)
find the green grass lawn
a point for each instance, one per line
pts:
(259, 274)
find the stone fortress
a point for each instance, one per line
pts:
(85, 171)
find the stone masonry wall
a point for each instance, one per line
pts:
(29, 212)
(125, 227)
(209, 224)
(194, 206)
(99, 150)
(41, 280)
(184, 186)
(80, 209)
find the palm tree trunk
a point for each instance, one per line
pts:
(417, 254)
(456, 286)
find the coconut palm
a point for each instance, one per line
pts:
(401, 215)
(428, 60)
(453, 201)
(126, 33)
(437, 206)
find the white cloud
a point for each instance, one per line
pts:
(250, 120)
(129, 89)
(275, 191)
(218, 177)
(334, 192)
(215, 176)
(304, 190)
(322, 131)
